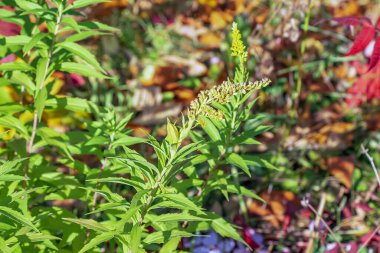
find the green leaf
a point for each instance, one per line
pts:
(124, 122)
(16, 216)
(90, 224)
(9, 121)
(94, 25)
(83, 35)
(12, 66)
(118, 180)
(180, 199)
(110, 206)
(71, 104)
(247, 135)
(258, 161)
(6, 14)
(238, 161)
(128, 141)
(55, 139)
(127, 216)
(211, 130)
(18, 40)
(172, 133)
(23, 79)
(11, 108)
(40, 102)
(28, 5)
(82, 69)
(164, 236)
(3, 247)
(11, 178)
(69, 21)
(82, 52)
(171, 245)
(244, 191)
(136, 198)
(174, 217)
(38, 237)
(136, 238)
(223, 228)
(33, 42)
(41, 72)
(83, 3)
(9, 166)
(104, 237)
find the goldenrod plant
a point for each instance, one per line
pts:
(124, 201)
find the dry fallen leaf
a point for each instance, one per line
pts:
(158, 114)
(210, 40)
(342, 168)
(220, 20)
(278, 205)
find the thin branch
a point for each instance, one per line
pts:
(319, 218)
(41, 85)
(369, 239)
(370, 159)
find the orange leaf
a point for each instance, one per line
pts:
(342, 168)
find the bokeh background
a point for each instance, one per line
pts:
(324, 106)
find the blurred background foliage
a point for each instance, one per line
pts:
(166, 51)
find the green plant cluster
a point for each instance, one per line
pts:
(124, 200)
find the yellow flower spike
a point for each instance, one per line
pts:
(221, 94)
(237, 47)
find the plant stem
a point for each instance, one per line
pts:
(317, 220)
(169, 164)
(93, 204)
(41, 85)
(370, 159)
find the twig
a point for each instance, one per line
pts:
(319, 218)
(370, 159)
(93, 205)
(368, 239)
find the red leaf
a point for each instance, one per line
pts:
(362, 40)
(9, 58)
(366, 87)
(355, 21)
(375, 57)
(8, 29)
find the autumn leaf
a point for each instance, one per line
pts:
(365, 36)
(342, 168)
(375, 54)
(354, 21)
(366, 87)
(362, 40)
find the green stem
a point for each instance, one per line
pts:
(41, 85)
(167, 168)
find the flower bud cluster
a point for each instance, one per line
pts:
(221, 94)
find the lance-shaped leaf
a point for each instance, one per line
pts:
(239, 162)
(82, 69)
(16, 216)
(83, 3)
(12, 66)
(90, 224)
(362, 40)
(354, 21)
(104, 237)
(375, 57)
(12, 122)
(82, 52)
